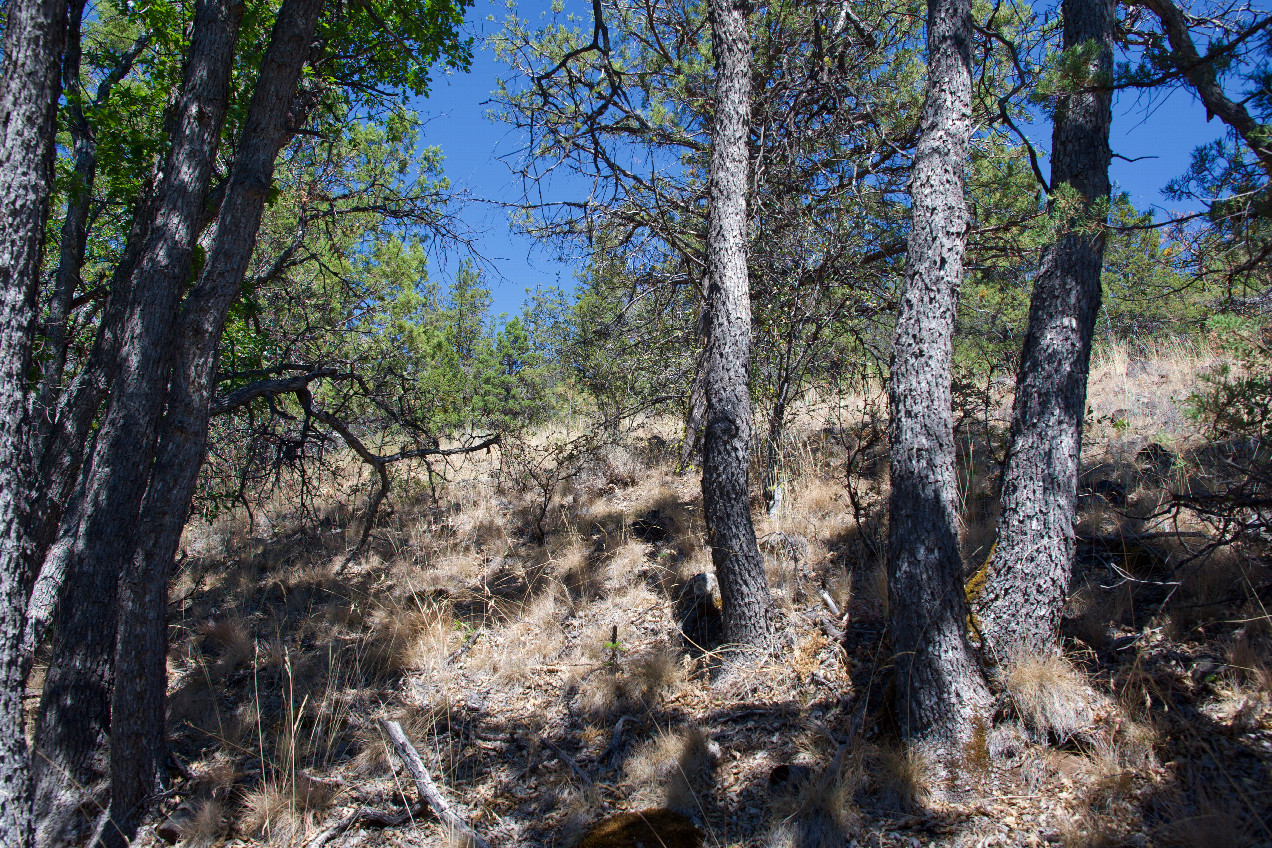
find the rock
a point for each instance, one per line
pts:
(698, 610)
(645, 829)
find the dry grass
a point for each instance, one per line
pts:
(673, 769)
(818, 810)
(902, 776)
(485, 642)
(1051, 697)
(1139, 396)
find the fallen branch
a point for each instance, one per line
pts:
(356, 819)
(567, 759)
(429, 793)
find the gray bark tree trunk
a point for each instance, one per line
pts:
(1027, 576)
(30, 85)
(940, 692)
(75, 706)
(726, 447)
(138, 739)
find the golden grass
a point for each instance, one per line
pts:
(818, 811)
(902, 776)
(1054, 700)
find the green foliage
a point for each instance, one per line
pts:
(1235, 398)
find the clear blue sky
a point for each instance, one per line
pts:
(1164, 128)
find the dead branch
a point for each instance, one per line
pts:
(424, 785)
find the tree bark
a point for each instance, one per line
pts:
(75, 707)
(34, 37)
(726, 445)
(138, 739)
(1028, 574)
(940, 693)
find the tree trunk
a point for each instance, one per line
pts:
(726, 445)
(74, 235)
(138, 739)
(940, 693)
(1028, 574)
(75, 707)
(34, 36)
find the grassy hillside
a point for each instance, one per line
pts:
(548, 684)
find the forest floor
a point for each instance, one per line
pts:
(547, 684)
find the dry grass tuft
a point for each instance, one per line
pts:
(268, 815)
(231, 640)
(1209, 821)
(413, 635)
(902, 777)
(818, 812)
(1051, 696)
(673, 768)
(1085, 828)
(207, 826)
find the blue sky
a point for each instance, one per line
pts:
(1160, 132)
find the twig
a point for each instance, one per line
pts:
(429, 793)
(463, 649)
(567, 759)
(616, 739)
(358, 817)
(830, 603)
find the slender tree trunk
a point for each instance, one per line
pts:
(1028, 573)
(75, 707)
(62, 450)
(726, 446)
(138, 739)
(34, 37)
(940, 693)
(74, 235)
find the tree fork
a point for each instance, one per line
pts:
(75, 706)
(138, 740)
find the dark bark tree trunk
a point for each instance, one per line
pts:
(30, 85)
(1028, 574)
(75, 707)
(74, 235)
(726, 445)
(940, 693)
(138, 740)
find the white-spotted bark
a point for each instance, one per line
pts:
(726, 444)
(940, 693)
(1027, 576)
(34, 37)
